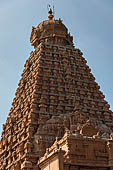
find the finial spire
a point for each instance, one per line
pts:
(50, 12)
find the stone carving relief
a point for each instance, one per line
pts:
(78, 123)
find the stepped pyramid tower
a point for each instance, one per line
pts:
(59, 119)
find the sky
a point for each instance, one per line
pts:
(89, 21)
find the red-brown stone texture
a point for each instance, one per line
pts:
(59, 119)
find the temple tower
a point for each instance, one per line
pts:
(57, 104)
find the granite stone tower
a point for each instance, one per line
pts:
(59, 119)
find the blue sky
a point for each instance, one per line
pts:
(89, 21)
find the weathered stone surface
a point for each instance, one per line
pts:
(57, 105)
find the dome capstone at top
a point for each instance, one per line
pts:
(51, 31)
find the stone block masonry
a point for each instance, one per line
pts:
(57, 106)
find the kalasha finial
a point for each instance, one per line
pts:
(50, 12)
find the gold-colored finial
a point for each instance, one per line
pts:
(50, 12)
